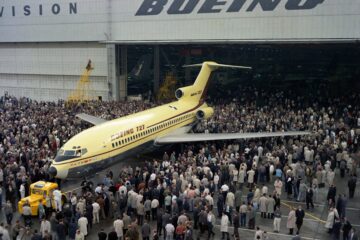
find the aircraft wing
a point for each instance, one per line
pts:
(200, 137)
(91, 119)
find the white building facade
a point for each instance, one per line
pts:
(45, 45)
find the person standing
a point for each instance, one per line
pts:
(258, 234)
(154, 208)
(211, 220)
(102, 235)
(95, 212)
(159, 225)
(290, 224)
(119, 227)
(61, 230)
(169, 231)
(309, 198)
(278, 186)
(243, 211)
(22, 190)
(72, 227)
(145, 231)
(45, 226)
(238, 196)
(79, 235)
(262, 205)
(252, 214)
(331, 195)
(112, 235)
(83, 223)
(336, 229)
(224, 226)
(8, 209)
(352, 186)
(57, 198)
(270, 205)
(250, 178)
(330, 219)
(236, 223)
(27, 214)
(300, 214)
(346, 229)
(277, 220)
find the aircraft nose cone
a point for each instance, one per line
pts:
(52, 171)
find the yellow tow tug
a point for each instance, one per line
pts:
(38, 192)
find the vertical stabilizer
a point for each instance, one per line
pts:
(197, 91)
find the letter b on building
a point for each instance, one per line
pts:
(151, 7)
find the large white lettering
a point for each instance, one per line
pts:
(31, 9)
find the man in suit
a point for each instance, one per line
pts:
(112, 235)
(352, 186)
(300, 214)
(102, 235)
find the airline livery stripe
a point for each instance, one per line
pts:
(80, 159)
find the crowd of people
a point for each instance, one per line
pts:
(188, 194)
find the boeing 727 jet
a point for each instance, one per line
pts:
(108, 142)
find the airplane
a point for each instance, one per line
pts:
(109, 142)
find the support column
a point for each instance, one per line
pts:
(123, 73)
(156, 69)
(111, 76)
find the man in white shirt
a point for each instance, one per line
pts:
(119, 226)
(96, 210)
(154, 207)
(22, 190)
(170, 229)
(45, 227)
(83, 222)
(57, 199)
(251, 174)
(73, 202)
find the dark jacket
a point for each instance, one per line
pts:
(112, 236)
(102, 235)
(300, 214)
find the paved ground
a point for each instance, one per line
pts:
(313, 227)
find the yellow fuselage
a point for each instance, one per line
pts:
(105, 144)
(113, 138)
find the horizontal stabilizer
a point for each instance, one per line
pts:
(217, 65)
(200, 137)
(91, 119)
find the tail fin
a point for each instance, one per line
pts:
(201, 83)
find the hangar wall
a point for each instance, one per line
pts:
(179, 20)
(49, 71)
(45, 44)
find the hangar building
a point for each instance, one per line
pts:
(133, 44)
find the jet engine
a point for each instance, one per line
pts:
(183, 92)
(204, 113)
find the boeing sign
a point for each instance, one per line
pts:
(179, 21)
(39, 10)
(155, 7)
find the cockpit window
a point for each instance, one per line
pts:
(69, 154)
(83, 151)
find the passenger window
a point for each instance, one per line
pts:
(119, 143)
(116, 144)
(122, 141)
(113, 145)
